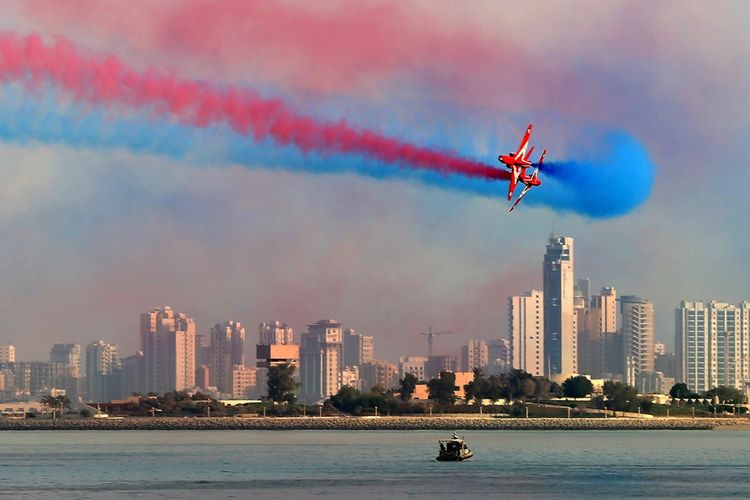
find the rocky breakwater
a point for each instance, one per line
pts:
(443, 423)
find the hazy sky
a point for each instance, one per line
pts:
(109, 209)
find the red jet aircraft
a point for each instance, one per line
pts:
(516, 161)
(529, 181)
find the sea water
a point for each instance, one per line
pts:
(372, 464)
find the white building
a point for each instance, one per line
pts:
(101, 361)
(637, 337)
(712, 342)
(526, 324)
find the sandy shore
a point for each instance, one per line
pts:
(383, 423)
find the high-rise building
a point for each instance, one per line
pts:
(69, 355)
(168, 346)
(597, 333)
(320, 361)
(7, 353)
(275, 333)
(378, 373)
(560, 343)
(227, 351)
(131, 375)
(357, 348)
(416, 365)
(65, 362)
(102, 384)
(712, 342)
(275, 347)
(583, 288)
(637, 337)
(475, 355)
(526, 324)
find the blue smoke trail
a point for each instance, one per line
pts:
(613, 182)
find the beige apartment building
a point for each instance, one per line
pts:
(321, 361)
(526, 325)
(168, 346)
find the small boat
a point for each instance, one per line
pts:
(454, 449)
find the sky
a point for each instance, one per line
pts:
(254, 161)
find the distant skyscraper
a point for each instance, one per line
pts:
(131, 375)
(168, 345)
(227, 351)
(321, 361)
(560, 347)
(584, 289)
(7, 354)
(101, 363)
(275, 333)
(637, 336)
(69, 355)
(526, 324)
(597, 353)
(712, 344)
(475, 354)
(357, 348)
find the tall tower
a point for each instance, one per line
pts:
(357, 348)
(320, 360)
(637, 337)
(101, 361)
(526, 324)
(227, 351)
(560, 343)
(599, 346)
(168, 345)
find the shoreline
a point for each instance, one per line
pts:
(443, 423)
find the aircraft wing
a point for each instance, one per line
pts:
(523, 193)
(521, 151)
(512, 183)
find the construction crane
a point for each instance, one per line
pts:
(430, 334)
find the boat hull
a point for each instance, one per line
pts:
(454, 458)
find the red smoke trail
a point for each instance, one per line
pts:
(110, 81)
